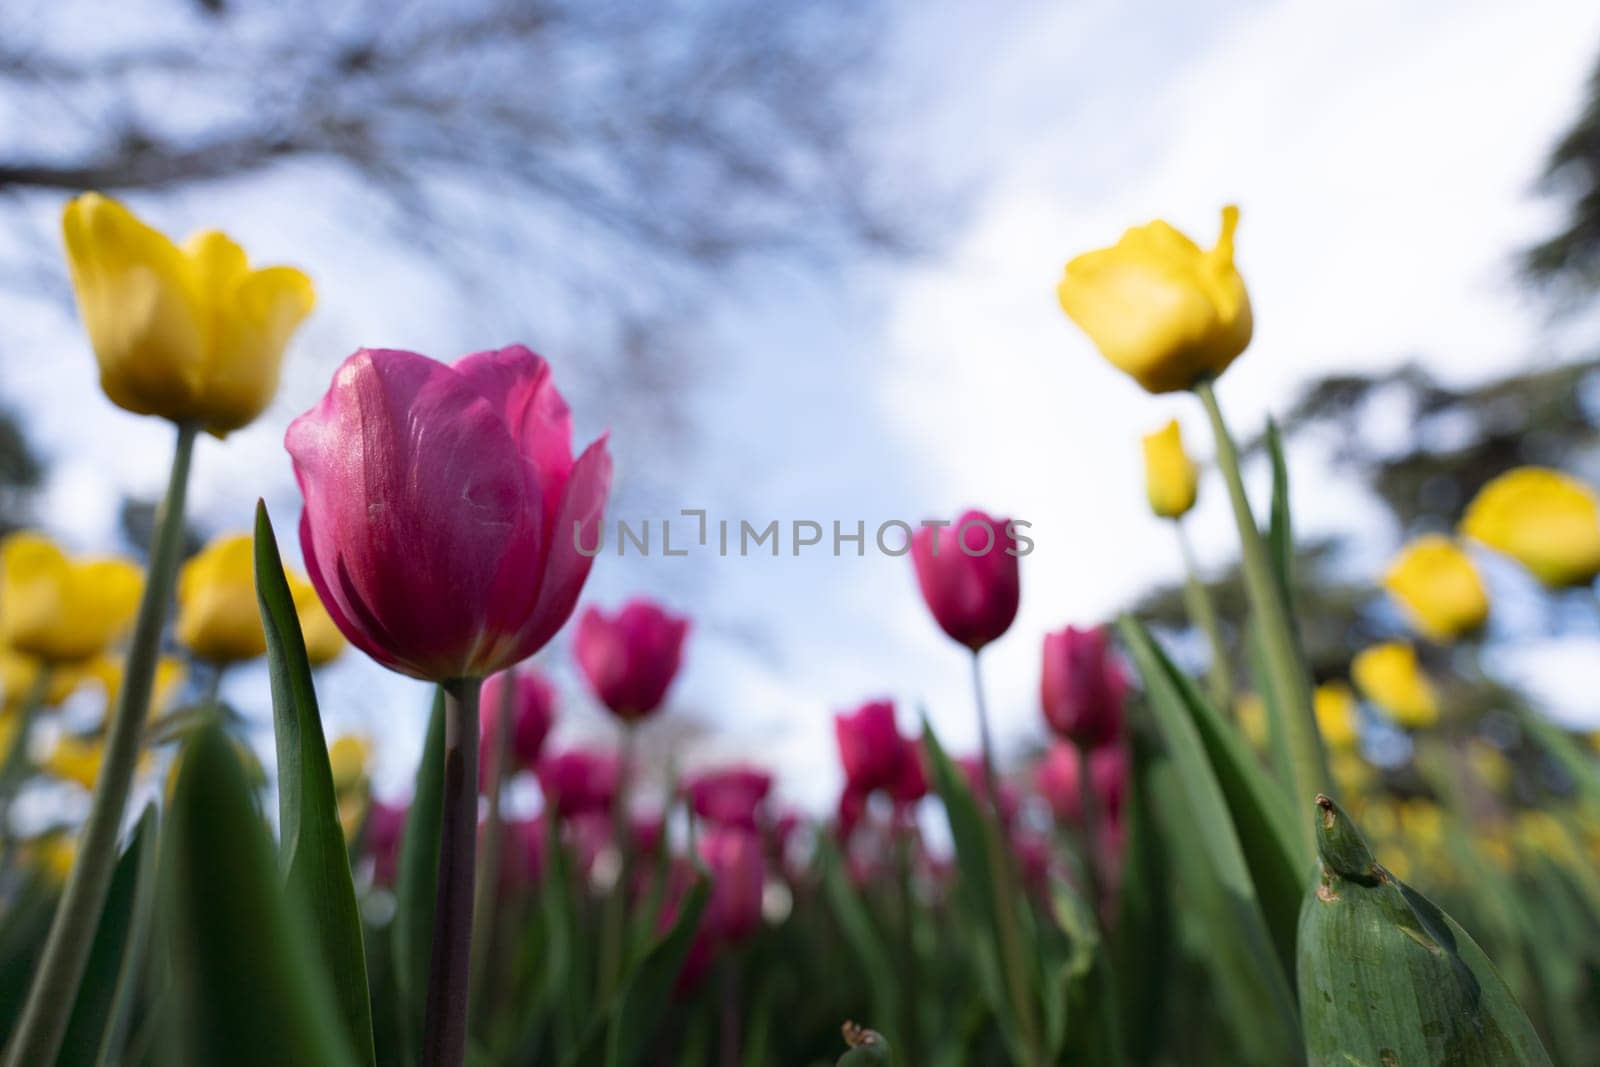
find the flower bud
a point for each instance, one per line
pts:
(1170, 478)
(968, 575)
(1439, 588)
(631, 658)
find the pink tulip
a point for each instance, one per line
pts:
(731, 797)
(871, 749)
(443, 509)
(532, 713)
(579, 782)
(1009, 802)
(386, 827)
(852, 809)
(524, 852)
(1082, 687)
(1059, 778)
(630, 658)
(738, 874)
(911, 784)
(968, 575)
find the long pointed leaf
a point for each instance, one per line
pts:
(648, 992)
(250, 991)
(312, 851)
(418, 880)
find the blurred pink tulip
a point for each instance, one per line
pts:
(738, 877)
(1058, 778)
(871, 749)
(532, 713)
(1082, 686)
(385, 828)
(731, 797)
(579, 782)
(630, 658)
(852, 809)
(1009, 801)
(968, 574)
(443, 509)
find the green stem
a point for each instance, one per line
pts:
(905, 850)
(613, 947)
(66, 951)
(1004, 880)
(1307, 772)
(444, 1027)
(1203, 613)
(486, 908)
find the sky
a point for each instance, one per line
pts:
(1383, 156)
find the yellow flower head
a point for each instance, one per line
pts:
(53, 855)
(75, 759)
(190, 333)
(1337, 719)
(1422, 822)
(1251, 712)
(324, 642)
(1353, 774)
(1389, 676)
(1160, 308)
(218, 617)
(1544, 520)
(19, 675)
(347, 758)
(170, 673)
(1170, 477)
(1439, 588)
(63, 610)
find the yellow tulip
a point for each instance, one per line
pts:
(1251, 712)
(1543, 519)
(347, 758)
(19, 675)
(53, 854)
(324, 642)
(63, 610)
(218, 617)
(1337, 719)
(1439, 588)
(1389, 676)
(170, 673)
(1422, 822)
(352, 811)
(1160, 308)
(192, 334)
(1170, 477)
(1351, 773)
(75, 759)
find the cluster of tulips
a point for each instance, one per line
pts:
(1175, 875)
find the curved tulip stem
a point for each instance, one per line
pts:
(444, 1028)
(1286, 679)
(1203, 613)
(1003, 877)
(66, 951)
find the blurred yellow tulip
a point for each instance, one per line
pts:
(62, 610)
(218, 617)
(1170, 477)
(324, 642)
(192, 334)
(1337, 717)
(19, 675)
(1543, 519)
(76, 759)
(1422, 822)
(1160, 308)
(1389, 676)
(1351, 773)
(169, 677)
(1439, 588)
(53, 854)
(1541, 834)
(347, 758)
(1251, 712)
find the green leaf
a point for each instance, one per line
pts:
(1242, 946)
(250, 991)
(1388, 977)
(860, 933)
(1258, 805)
(647, 994)
(105, 997)
(312, 851)
(417, 880)
(1280, 530)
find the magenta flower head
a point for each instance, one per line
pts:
(871, 750)
(730, 797)
(630, 658)
(579, 782)
(1082, 686)
(734, 859)
(968, 574)
(532, 712)
(1060, 782)
(444, 510)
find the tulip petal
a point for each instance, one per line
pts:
(565, 568)
(416, 498)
